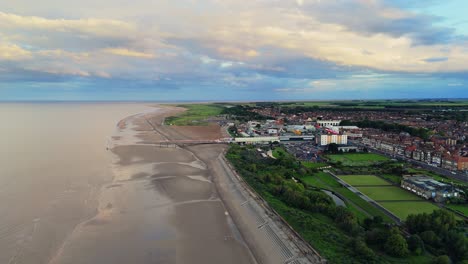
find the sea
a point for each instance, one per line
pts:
(54, 160)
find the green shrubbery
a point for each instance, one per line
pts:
(333, 230)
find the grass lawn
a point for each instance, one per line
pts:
(403, 209)
(279, 152)
(364, 180)
(326, 181)
(313, 165)
(357, 159)
(314, 181)
(393, 178)
(390, 193)
(462, 208)
(195, 114)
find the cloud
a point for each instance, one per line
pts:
(129, 53)
(13, 52)
(255, 46)
(436, 59)
(380, 17)
(91, 26)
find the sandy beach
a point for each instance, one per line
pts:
(162, 205)
(103, 197)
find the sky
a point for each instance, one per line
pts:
(229, 50)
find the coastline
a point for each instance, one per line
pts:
(181, 204)
(162, 201)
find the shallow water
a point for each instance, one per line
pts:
(335, 198)
(53, 163)
(161, 207)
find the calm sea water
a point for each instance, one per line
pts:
(53, 162)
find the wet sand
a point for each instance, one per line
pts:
(53, 162)
(162, 205)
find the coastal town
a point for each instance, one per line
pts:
(446, 147)
(390, 164)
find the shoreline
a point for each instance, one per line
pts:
(163, 200)
(176, 205)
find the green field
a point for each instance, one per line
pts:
(357, 159)
(393, 178)
(388, 193)
(325, 181)
(279, 152)
(195, 115)
(462, 208)
(363, 180)
(313, 165)
(403, 209)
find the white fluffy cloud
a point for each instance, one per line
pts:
(146, 39)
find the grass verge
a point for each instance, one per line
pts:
(195, 115)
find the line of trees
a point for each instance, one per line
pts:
(437, 233)
(440, 233)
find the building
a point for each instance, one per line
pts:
(325, 123)
(428, 188)
(272, 131)
(449, 163)
(353, 135)
(255, 140)
(348, 149)
(324, 140)
(462, 163)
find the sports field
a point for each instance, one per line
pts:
(403, 209)
(358, 180)
(388, 193)
(357, 159)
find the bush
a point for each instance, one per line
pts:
(396, 244)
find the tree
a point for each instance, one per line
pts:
(396, 244)
(415, 244)
(362, 251)
(430, 238)
(332, 148)
(456, 245)
(444, 259)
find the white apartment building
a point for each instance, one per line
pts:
(337, 139)
(325, 123)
